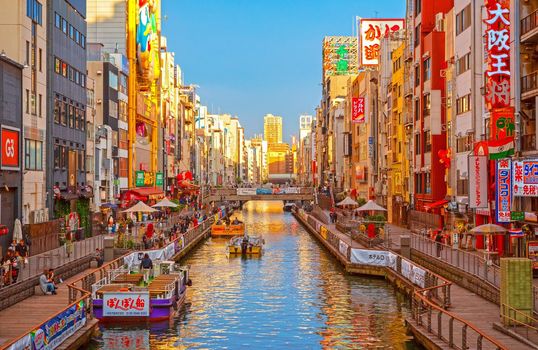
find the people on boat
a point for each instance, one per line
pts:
(146, 263)
(236, 221)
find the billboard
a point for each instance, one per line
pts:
(371, 31)
(478, 182)
(358, 110)
(10, 148)
(503, 190)
(147, 42)
(525, 178)
(339, 56)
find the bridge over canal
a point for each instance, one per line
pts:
(260, 194)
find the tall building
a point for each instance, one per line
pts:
(11, 78)
(66, 108)
(305, 126)
(24, 40)
(272, 128)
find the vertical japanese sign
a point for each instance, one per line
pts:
(497, 75)
(478, 183)
(371, 31)
(357, 110)
(503, 195)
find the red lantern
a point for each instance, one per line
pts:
(188, 175)
(179, 177)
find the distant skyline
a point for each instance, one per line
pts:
(251, 58)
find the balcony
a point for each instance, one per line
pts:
(529, 84)
(529, 28)
(528, 142)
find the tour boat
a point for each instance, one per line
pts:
(128, 295)
(288, 206)
(227, 230)
(245, 245)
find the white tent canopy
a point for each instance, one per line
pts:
(165, 202)
(140, 207)
(371, 206)
(489, 229)
(347, 201)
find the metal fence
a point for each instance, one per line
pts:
(467, 261)
(57, 257)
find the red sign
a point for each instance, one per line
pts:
(502, 124)
(358, 110)
(126, 304)
(371, 31)
(478, 191)
(10, 148)
(498, 53)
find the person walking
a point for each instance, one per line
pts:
(439, 243)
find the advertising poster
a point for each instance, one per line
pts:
(369, 257)
(53, 333)
(126, 304)
(503, 195)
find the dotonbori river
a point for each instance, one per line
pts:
(296, 296)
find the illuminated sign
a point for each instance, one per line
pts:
(147, 42)
(10, 148)
(339, 55)
(525, 178)
(371, 31)
(358, 110)
(502, 123)
(478, 191)
(503, 196)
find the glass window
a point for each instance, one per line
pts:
(77, 77)
(64, 113)
(426, 104)
(77, 36)
(71, 32)
(428, 183)
(123, 110)
(427, 142)
(463, 19)
(112, 109)
(113, 80)
(64, 69)
(33, 155)
(463, 104)
(57, 65)
(82, 41)
(58, 20)
(57, 109)
(64, 25)
(71, 116)
(427, 69)
(82, 80)
(463, 64)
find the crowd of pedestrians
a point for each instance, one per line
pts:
(13, 262)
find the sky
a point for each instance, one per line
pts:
(253, 57)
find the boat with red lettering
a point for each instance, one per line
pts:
(133, 295)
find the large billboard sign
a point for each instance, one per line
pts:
(339, 55)
(147, 42)
(10, 148)
(371, 31)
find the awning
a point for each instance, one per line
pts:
(148, 192)
(435, 204)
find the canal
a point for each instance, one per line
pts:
(296, 296)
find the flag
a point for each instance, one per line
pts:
(498, 149)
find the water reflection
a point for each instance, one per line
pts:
(294, 297)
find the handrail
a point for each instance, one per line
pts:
(529, 22)
(531, 321)
(421, 303)
(85, 294)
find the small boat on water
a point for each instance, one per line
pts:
(288, 206)
(227, 230)
(245, 245)
(128, 295)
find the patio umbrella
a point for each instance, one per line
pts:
(165, 203)
(140, 207)
(347, 201)
(371, 206)
(17, 230)
(488, 229)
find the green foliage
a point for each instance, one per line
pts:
(83, 210)
(361, 202)
(61, 208)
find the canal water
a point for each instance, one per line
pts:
(296, 296)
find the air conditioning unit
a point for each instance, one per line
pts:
(440, 22)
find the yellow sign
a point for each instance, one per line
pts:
(323, 232)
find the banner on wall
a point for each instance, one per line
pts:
(525, 178)
(56, 330)
(358, 114)
(369, 257)
(343, 247)
(246, 191)
(478, 182)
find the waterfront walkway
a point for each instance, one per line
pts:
(468, 306)
(20, 318)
